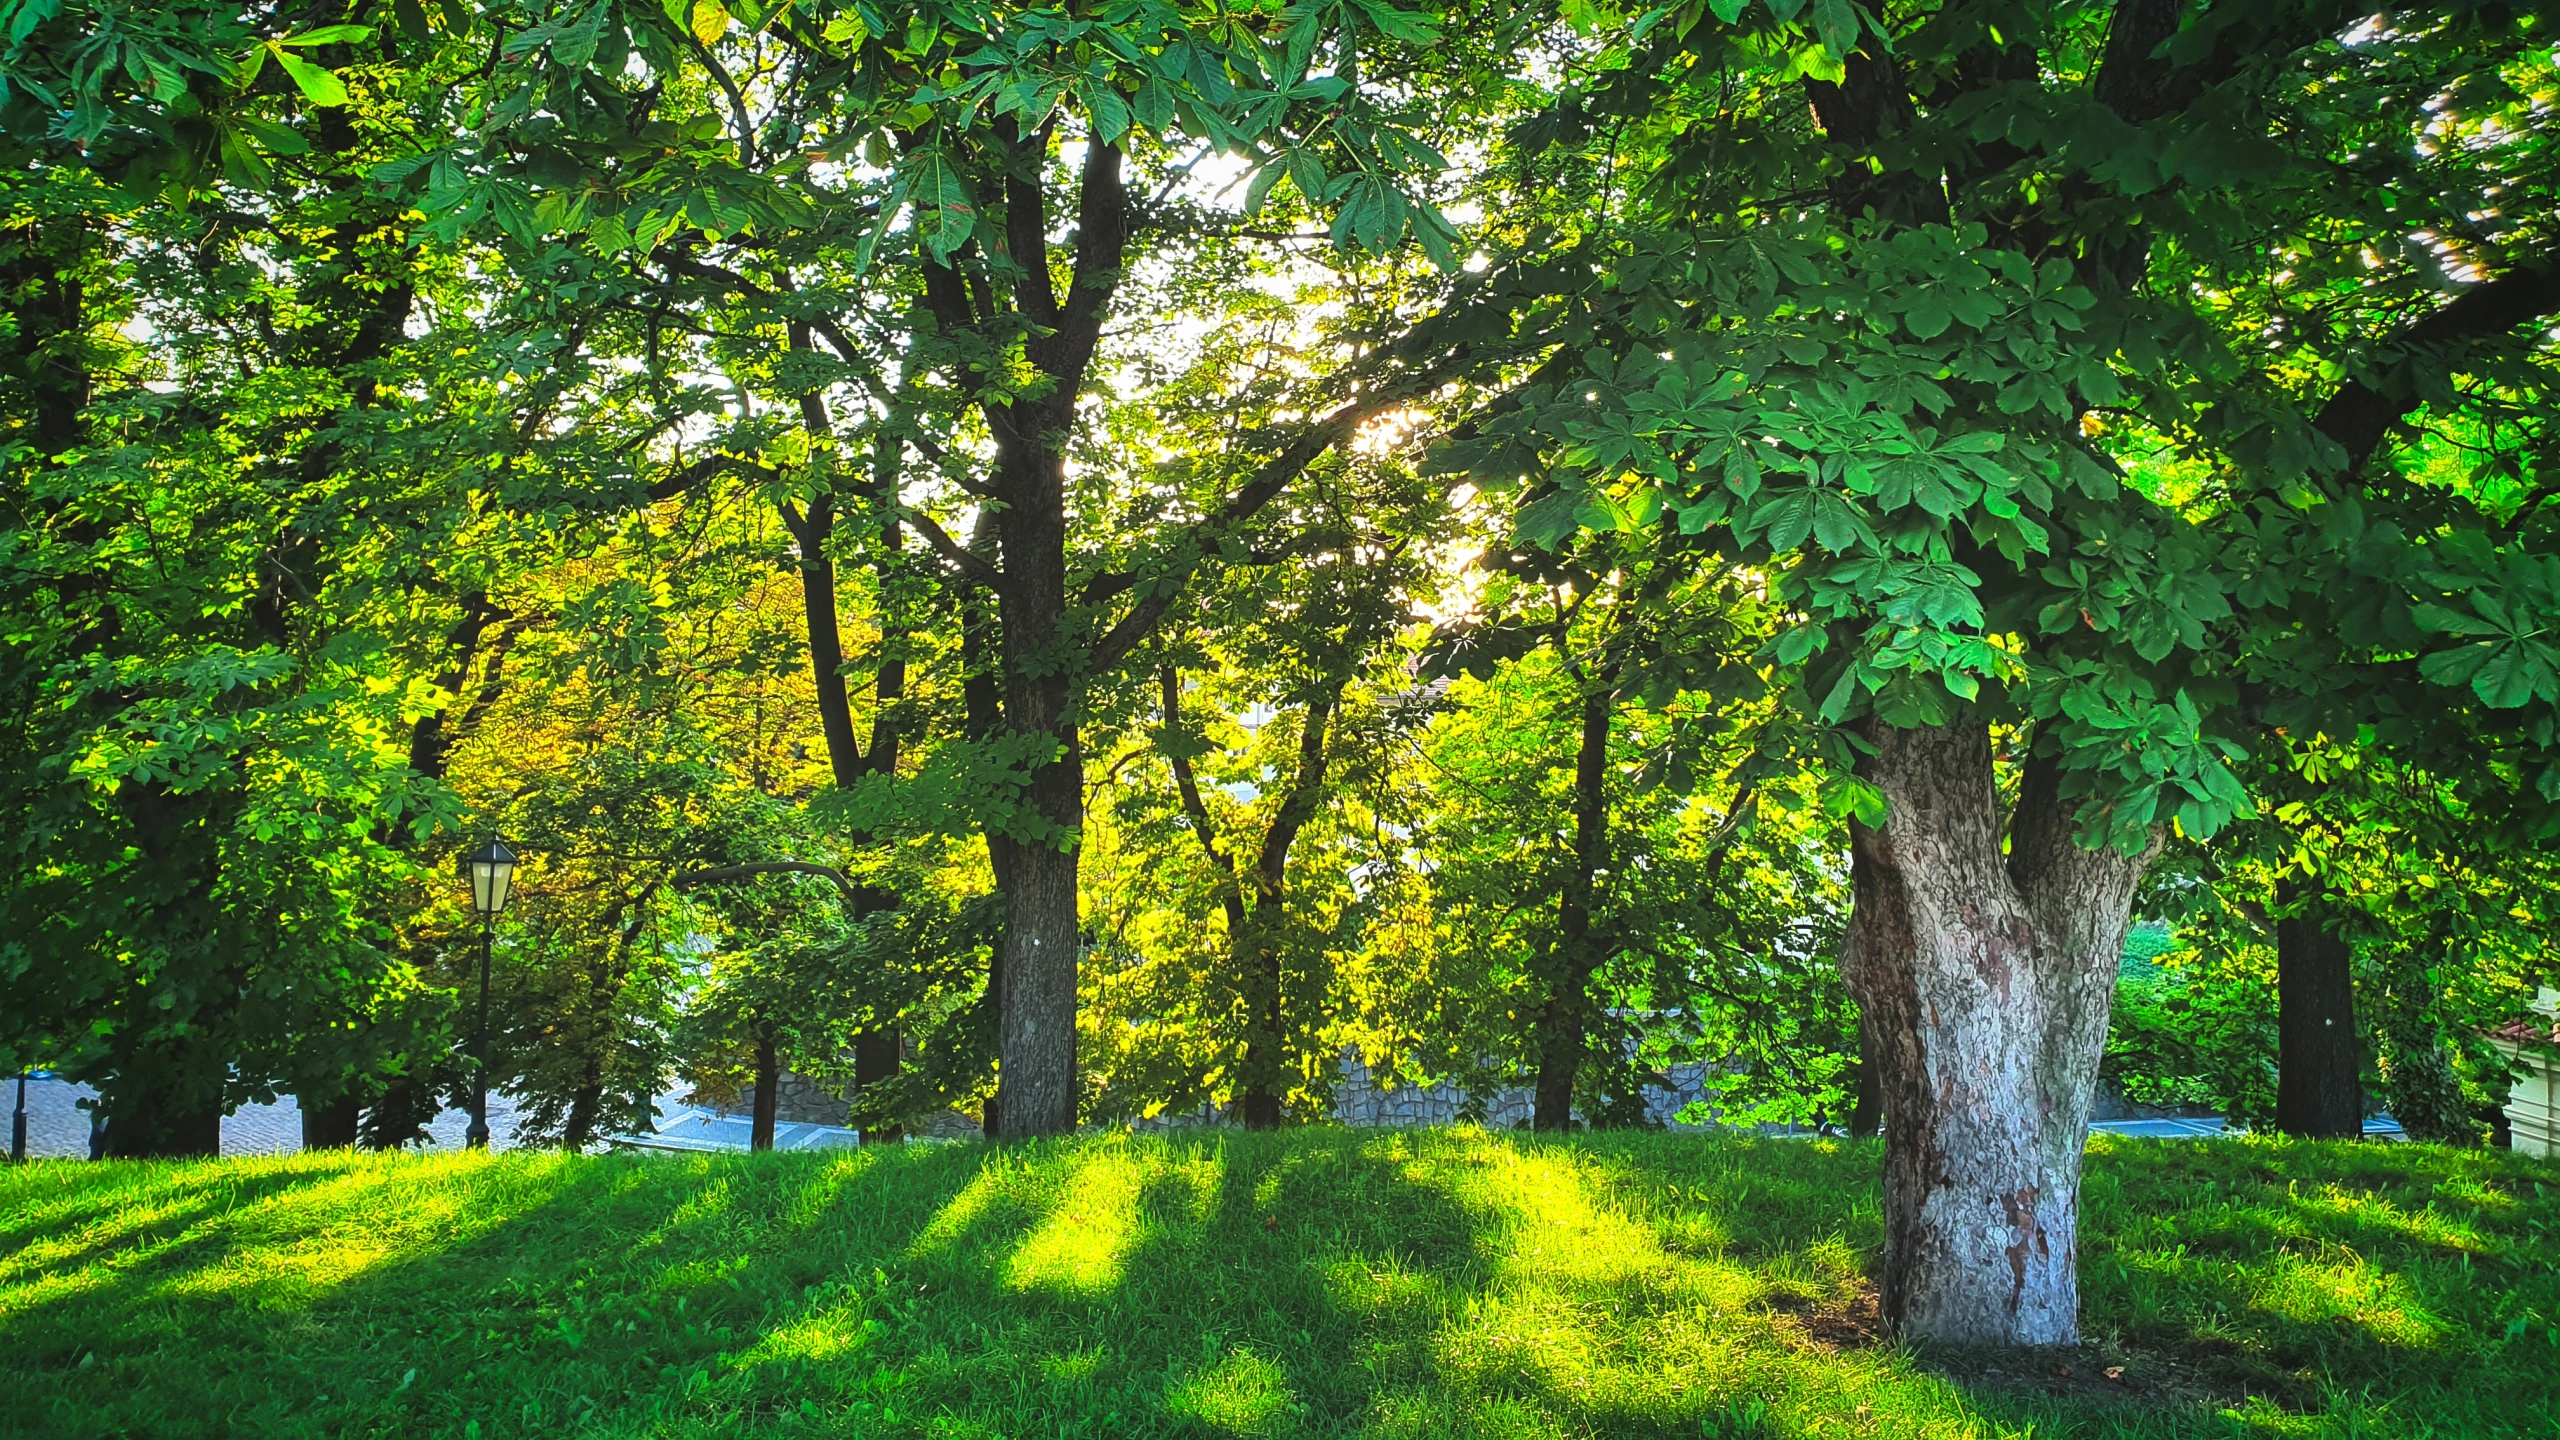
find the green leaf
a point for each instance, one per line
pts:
(1550, 520)
(1928, 316)
(2451, 622)
(2518, 672)
(328, 35)
(1728, 11)
(1109, 112)
(317, 85)
(1836, 21)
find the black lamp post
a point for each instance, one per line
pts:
(490, 867)
(18, 1123)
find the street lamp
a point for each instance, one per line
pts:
(18, 1123)
(490, 867)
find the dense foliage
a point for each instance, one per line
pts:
(1083, 562)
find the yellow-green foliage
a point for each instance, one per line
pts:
(1323, 1282)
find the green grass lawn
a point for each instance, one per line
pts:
(1326, 1282)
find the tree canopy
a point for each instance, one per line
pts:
(1082, 563)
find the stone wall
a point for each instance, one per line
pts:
(1359, 1099)
(799, 1100)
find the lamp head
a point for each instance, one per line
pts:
(491, 868)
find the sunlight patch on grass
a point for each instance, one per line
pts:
(815, 1200)
(819, 1338)
(963, 1213)
(1543, 1208)
(2427, 1226)
(1082, 1245)
(1243, 1394)
(2379, 1302)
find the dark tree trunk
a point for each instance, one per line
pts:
(1261, 945)
(1036, 1028)
(877, 1057)
(1564, 1016)
(810, 533)
(331, 1124)
(163, 1107)
(1985, 982)
(768, 1090)
(2319, 1091)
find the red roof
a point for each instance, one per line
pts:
(2526, 1032)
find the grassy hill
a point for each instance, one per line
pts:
(1322, 1283)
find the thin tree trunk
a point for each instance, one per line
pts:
(811, 532)
(1985, 982)
(982, 711)
(1564, 1017)
(1261, 953)
(877, 1058)
(2319, 1089)
(331, 1124)
(768, 1090)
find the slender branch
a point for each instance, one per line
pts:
(746, 130)
(1266, 483)
(972, 565)
(1169, 681)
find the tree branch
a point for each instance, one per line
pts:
(2359, 416)
(724, 874)
(1169, 681)
(1026, 218)
(1268, 480)
(970, 564)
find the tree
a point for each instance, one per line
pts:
(1894, 362)
(996, 128)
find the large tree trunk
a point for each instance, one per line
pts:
(1985, 982)
(1036, 995)
(2319, 1091)
(1036, 1045)
(1564, 1017)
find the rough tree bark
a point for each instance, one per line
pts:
(1985, 982)
(1564, 1015)
(2319, 1090)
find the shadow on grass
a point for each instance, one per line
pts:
(1379, 1284)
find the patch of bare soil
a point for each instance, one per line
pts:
(1849, 1321)
(2208, 1375)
